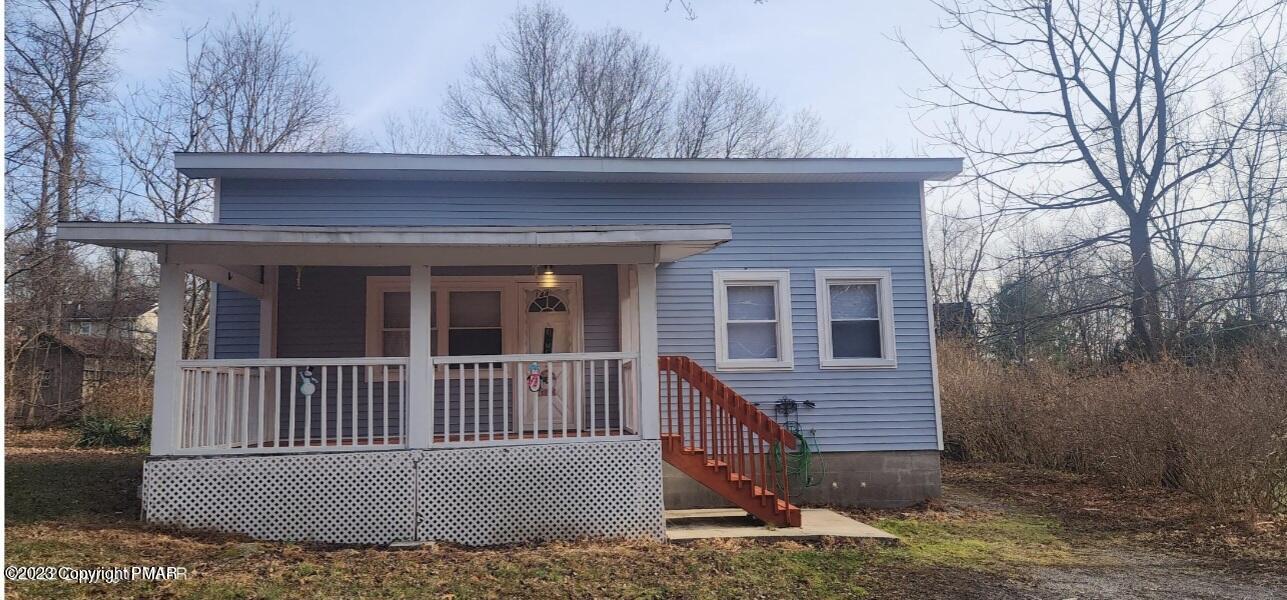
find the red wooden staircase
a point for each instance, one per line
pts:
(715, 436)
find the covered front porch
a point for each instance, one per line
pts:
(519, 354)
(389, 338)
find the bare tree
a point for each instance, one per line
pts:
(154, 123)
(723, 115)
(264, 95)
(545, 89)
(623, 91)
(1257, 178)
(56, 75)
(804, 135)
(1102, 97)
(415, 132)
(518, 94)
(689, 10)
(961, 239)
(243, 89)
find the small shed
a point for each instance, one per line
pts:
(46, 382)
(53, 375)
(107, 359)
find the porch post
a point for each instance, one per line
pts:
(268, 314)
(169, 344)
(649, 393)
(418, 423)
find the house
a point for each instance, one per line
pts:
(487, 350)
(133, 320)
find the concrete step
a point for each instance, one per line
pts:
(816, 523)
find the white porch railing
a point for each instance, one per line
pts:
(291, 405)
(525, 398)
(269, 406)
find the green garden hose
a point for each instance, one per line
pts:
(799, 462)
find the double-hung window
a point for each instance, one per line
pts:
(753, 320)
(474, 323)
(855, 318)
(388, 316)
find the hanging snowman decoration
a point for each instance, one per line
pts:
(307, 383)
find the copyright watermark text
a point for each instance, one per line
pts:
(94, 574)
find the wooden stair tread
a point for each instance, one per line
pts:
(758, 491)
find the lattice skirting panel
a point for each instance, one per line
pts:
(501, 495)
(473, 496)
(346, 498)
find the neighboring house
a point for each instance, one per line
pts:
(133, 320)
(495, 349)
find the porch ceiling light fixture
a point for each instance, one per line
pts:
(545, 275)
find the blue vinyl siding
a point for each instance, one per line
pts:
(795, 226)
(236, 332)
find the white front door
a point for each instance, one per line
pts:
(550, 324)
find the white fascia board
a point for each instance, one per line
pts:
(138, 235)
(565, 168)
(464, 246)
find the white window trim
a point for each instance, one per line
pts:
(376, 287)
(781, 280)
(883, 278)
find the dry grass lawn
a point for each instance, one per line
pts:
(79, 508)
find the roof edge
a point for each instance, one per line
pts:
(562, 168)
(134, 234)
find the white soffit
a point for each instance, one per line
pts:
(322, 165)
(381, 245)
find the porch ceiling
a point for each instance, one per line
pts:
(224, 244)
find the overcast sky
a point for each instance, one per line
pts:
(384, 57)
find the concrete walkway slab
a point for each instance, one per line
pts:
(818, 523)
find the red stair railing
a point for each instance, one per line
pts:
(702, 415)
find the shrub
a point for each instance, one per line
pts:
(123, 397)
(1219, 432)
(108, 432)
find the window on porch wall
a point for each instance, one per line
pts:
(474, 321)
(474, 324)
(395, 335)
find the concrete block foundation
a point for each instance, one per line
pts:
(893, 479)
